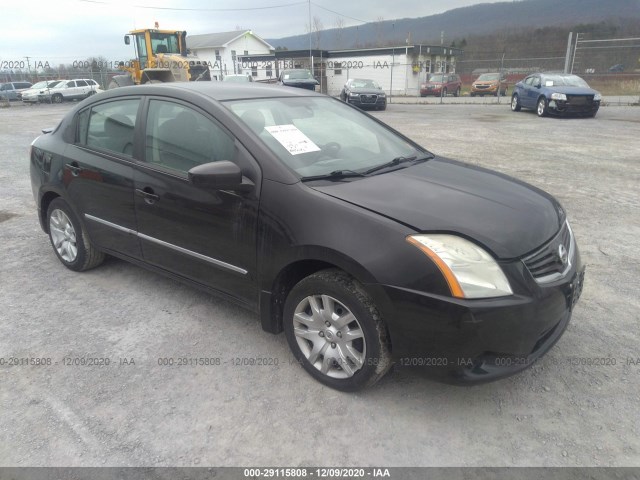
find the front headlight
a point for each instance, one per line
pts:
(353, 94)
(382, 94)
(469, 270)
(558, 96)
(597, 97)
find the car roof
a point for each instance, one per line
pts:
(220, 91)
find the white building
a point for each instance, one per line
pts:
(399, 70)
(225, 51)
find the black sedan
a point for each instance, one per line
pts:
(359, 244)
(556, 94)
(364, 93)
(298, 78)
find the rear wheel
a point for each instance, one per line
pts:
(457, 92)
(515, 103)
(541, 110)
(335, 331)
(444, 92)
(57, 98)
(69, 240)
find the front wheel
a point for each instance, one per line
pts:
(444, 92)
(515, 103)
(69, 240)
(57, 98)
(335, 331)
(542, 107)
(457, 92)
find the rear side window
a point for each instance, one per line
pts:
(109, 126)
(81, 83)
(180, 138)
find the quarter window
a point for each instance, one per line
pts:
(180, 138)
(109, 126)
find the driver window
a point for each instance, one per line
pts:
(180, 138)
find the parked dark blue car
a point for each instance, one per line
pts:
(556, 94)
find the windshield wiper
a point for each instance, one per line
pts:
(398, 161)
(336, 174)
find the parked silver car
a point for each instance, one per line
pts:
(39, 92)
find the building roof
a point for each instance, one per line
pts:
(218, 40)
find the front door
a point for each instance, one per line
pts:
(205, 235)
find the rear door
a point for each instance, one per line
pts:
(205, 235)
(98, 175)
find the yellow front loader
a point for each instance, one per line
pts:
(161, 56)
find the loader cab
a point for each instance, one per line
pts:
(150, 42)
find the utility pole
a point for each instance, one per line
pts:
(310, 56)
(28, 65)
(567, 57)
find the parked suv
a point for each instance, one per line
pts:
(447, 82)
(13, 90)
(78, 88)
(489, 84)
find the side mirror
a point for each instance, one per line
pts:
(222, 175)
(127, 40)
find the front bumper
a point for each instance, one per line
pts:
(365, 101)
(566, 108)
(474, 341)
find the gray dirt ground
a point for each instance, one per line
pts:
(558, 413)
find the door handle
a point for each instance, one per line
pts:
(74, 167)
(147, 193)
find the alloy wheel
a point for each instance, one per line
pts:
(63, 236)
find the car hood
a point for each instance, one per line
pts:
(366, 91)
(507, 216)
(571, 90)
(487, 82)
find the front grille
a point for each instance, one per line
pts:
(482, 87)
(579, 100)
(547, 264)
(199, 73)
(368, 98)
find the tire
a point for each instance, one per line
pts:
(457, 92)
(69, 239)
(444, 92)
(384, 107)
(542, 107)
(317, 340)
(515, 103)
(91, 92)
(472, 94)
(57, 98)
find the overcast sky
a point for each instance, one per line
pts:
(62, 31)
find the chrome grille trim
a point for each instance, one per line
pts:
(545, 265)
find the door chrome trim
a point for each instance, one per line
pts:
(199, 256)
(213, 261)
(112, 225)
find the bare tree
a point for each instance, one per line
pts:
(339, 32)
(378, 27)
(316, 28)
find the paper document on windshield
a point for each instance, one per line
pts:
(292, 139)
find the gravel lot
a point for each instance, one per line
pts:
(561, 412)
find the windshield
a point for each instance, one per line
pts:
(359, 83)
(39, 85)
(164, 43)
(297, 74)
(436, 77)
(318, 135)
(488, 77)
(53, 84)
(563, 81)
